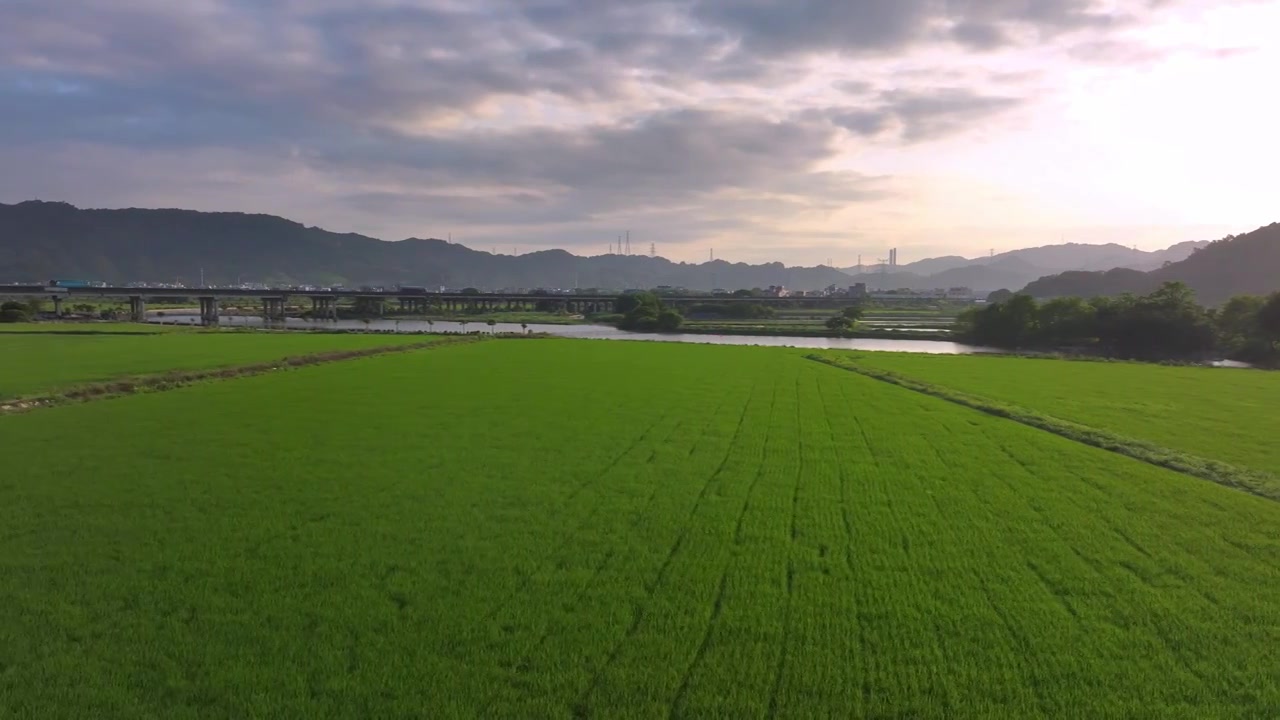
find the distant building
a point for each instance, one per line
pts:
(858, 290)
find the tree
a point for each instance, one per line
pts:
(14, 312)
(1269, 319)
(669, 320)
(491, 323)
(853, 312)
(1066, 320)
(1237, 319)
(743, 292)
(1011, 323)
(644, 312)
(524, 328)
(839, 323)
(999, 296)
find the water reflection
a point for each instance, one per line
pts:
(593, 332)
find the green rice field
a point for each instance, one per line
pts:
(47, 361)
(545, 529)
(84, 328)
(1222, 414)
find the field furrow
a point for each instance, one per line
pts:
(615, 530)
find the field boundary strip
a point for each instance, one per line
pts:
(1252, 481)
(174, 379)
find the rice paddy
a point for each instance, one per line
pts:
(1219, 413)
(591, 529)
(49, 360)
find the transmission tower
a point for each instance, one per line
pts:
(653, 250)
(628, 250)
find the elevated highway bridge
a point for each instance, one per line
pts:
(324, 303)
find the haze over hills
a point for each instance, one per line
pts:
(1035, 262)
(42, 240)
(1235, 265)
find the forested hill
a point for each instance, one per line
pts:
(1235, 265)
(43, 240)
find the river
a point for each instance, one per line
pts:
(591, 332)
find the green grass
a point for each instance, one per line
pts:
(576, 528)
(1217, 413)
(44, 362)
(81, 328)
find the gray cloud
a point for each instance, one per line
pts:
(659, 161)
(922, 115)
(980, 36)
(381, 98)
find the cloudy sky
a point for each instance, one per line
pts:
(792, 130)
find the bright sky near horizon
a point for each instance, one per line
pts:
(789, 130)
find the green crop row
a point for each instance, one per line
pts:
(47, 362)
(591, 529)
(1227, 415)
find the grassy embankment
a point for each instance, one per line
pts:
(744, 533)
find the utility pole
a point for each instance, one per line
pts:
(201, 277)
(653, 250)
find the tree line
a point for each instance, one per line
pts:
(1167, 323)
(645, 312)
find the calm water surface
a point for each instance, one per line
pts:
(593, 332)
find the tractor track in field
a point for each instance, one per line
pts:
(652, 588)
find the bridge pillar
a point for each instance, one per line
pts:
(273, 308)
(324, 307)
(137, 308)
(57, 306)
(209, 310)
(329, 308)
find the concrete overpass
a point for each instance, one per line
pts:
(324, 302)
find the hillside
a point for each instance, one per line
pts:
(42, 240)
(1242, 264)
(1016, 268)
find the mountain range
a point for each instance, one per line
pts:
(1235, 265)
(1016, 268)
(44, 240)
